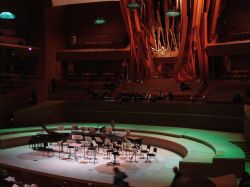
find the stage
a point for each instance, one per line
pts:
(139, 174)
(192, 150)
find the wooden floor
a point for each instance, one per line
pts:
(201, 146)
(139, 173)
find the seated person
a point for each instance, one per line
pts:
(192, 180)
(245, 181)
(148, 95)
(247, 93)
(160, 96)
(184, 86)
(170, 96)
(237, 98)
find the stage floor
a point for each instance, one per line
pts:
(139, 173)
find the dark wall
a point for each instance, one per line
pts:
(201, 116)
(48, 112)
(28, 22)
(214, 117)
(233, 23)
(80, 19)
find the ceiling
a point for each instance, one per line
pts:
(67, 2)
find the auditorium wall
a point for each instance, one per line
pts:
(214, 117)
(47, 112)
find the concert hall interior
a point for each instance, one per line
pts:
(142, 85)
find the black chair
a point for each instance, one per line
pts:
(145, 151)
(152, 155)
(114, 162)
(70, 147)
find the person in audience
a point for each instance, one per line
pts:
(237, 98)
(192, 181)
(228, 66)
(5, 179)
(113, 125)
(184, 86)
(247, 92)
(53, 85)
(177, 173)
(148, 95)
(245, 181)
(160, 96)
(170, 96)
(119, 178)
(33, 97)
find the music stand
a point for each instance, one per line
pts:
(84, 145)
(95, 147)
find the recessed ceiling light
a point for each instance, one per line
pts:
(7, 15)
(99, 21)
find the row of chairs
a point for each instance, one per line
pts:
(93, 144)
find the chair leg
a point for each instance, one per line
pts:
(156, 159)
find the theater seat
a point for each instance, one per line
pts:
(225, 181)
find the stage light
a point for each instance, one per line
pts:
(133, 6)
(30, 48)
(99, 21)
(7, 15)
(172, 13)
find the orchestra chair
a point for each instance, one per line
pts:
(84, 145)
(88, 138)
(60, 128)
(48, 150)
(108, 129)
(116, 154)
(92, 130)
(85, 129)
(77, 138)
(108, 146)
(128, 148)
(74, 127)
(128, 132)
(99, 141)
(152, 155)
(92, 147)
(109, 150)
(145, 151)
(118, 145)
(107, 143)
(60, 147)
(69, 147)
(114, 162)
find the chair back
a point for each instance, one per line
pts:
(85, 143)
(107, 141)
(108, 129)
(98, 139)
(70, 141)
(88, 138)
(92, 129)
(60, 128)
(74, 127)
(85, 129)
(77, 137)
